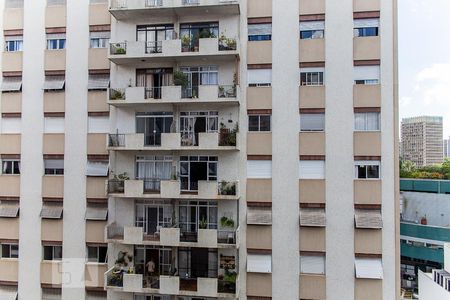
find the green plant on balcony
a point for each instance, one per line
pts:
(122, 176)
(116, 94)
(228, 137)
(185, 43)
(118, 49)
(226, 222)
(180, 79)
(227, 188)
(226, 43)
(203, 224)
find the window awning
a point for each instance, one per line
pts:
(96, 213)
(54, 82)
(8, 293)
(314, 217)
(370, 219)
(51, 211)
(9, 211)
(362, 23)
(98, 82)
(312, 264)
(312, 25)
(368, 268)
(99, 34)
(11, 84)
(97, 168)
(259, 216)
(259, 263)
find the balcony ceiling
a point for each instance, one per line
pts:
(186, 57)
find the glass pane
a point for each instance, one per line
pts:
(373, 172)
(361, 171)
(264, 123)
(92, 254)
(253, 123)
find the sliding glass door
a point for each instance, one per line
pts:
(152, 125)
(154, 215)
(205, 75)
(153, 35)
(192, 123)
(192, 32)
(153, 80)
(153, 169)
(195, 168)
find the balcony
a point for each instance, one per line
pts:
(128, 9)
(173, 94)
(425, 186)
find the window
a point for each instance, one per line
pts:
(52, 252)
(369, 121)
(99, 39)
(311, 76)
(14, 4)
(97, 254)
(312, 264)
(98, 124)
(54, 166)
(196, 168)
(13, 43)
(97, 168)
(54, 83)
(53, 125)
(56, 41)
(11, 125)
(51, 294)
(11, 166)
(259, 122)
(312, 169)
(205, 75)
(260, 32)
(158, 297)
(259, 263)
(153, 215)
(10, 251)
(367, 169)
(12, 84)
(369, 268)
(98, 82)
(259, 77)
(153, 35)
(366, 74)
(312, 30)
(56, 2)
(96, 212)
(312, 122)
(191, 34)
(259, 169)
(366, 27)
(97, 1)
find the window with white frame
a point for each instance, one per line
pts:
(11, 166)
(366, 75)
(54, 166)
(366, 27)
(259, 77)
(259, 263)
(56, 41)
(367, 169)
(98, 124)
(196, 168)
(52, 252)
(96, 254)
(312, 30)
(54, 125)
(312, 76)
(13, 3)
(258, 169)
(10, 250)
(312, 264)
(13, 43)
(312, 169)
(97, 168)
(367, 121)
(312, 122)
(259, 122)
(99, 39)
(260, 32)
(11, 125)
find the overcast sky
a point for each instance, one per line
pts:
(424, 59)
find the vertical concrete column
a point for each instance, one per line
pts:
(339, 149)
(285, 149)
(30, 248)
(74, 240)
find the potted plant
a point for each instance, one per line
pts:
(185, 43)
(202, 224)
(180, 78)
(226, 222)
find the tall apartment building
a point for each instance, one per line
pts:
(422, 140)
(252, 151)
(446, 148)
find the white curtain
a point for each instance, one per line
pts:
(312, 264)
(11, 125)
(259, 263)
(98, 124)
(367, 121)
(312, 122)
(366, 73)
(259, 169)
(53, 125)
(312, 169)
(259, 76)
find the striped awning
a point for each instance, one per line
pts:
(98, 82)
(54, 82)
(8, 293)
(51, 211)
(9, 210)
(313, 217)
(259, 215)
(369, 219)
(11, 84)
(96, 213)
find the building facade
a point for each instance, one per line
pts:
(220, 149)
(446, 148)
(422, 140)
(436, 284)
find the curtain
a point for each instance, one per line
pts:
(373, 121)
(312, 122)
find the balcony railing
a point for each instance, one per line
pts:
(226, 286)
(227, 91)
(116, 140)
(226, 237)
(153, 3)
(114, 278)
(226, 188)
(153, 47)
(117, 94)
(118, 48)
(151, 185)
(153, 93)
(114, 231)
(116, 186)
(227, 138)
(190, 2)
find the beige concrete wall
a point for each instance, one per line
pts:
(313, 287)
(259, 97)
(259, 52)
(259, 143)
(53, 143)
(95, 231)
(9, 270)
(259, 237)
(367, 191)
(367, 95)
(366, 48)
(259, 8)
(312, 239)
(51, 272)
(368, 241)
(312, 50)
(52, 230)
(52, 186)
(312, 191)
(11, 102)
(98, 58)
(12, 61)
(368, 289)
(96, 187)
(54, 101)
(13, 18)
(259, 190)
(55, 60)
(99, 14)
(97, 101)
(312, 143)
(55, 16)
(9, 228)
(259, 285)
(10, 185)
(312, 96)
(94, 274)
(366, 5)
(367, 143)
(312, 7)
(96, 143)
(10, 143)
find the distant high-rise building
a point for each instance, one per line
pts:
(422, 140)
(446, 147)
